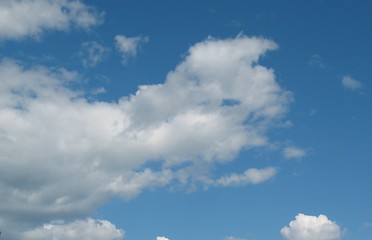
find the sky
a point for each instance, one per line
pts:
(179, 120)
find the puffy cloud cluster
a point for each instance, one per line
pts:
(63, 155)
(22, 18)
(311, 227)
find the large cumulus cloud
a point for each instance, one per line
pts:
(63, 155)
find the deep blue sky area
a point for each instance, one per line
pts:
(168, 159)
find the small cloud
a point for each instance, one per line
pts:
(92, 53)
(232, 238)
(128, 46)
(316, 61)
(162, 238)
(350, 83)
(250, 176)
(312, 227)
(293, 152)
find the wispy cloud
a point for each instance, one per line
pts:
(350, 83)
(316, 61)
(92, 53)
(293, 152)
(128, 46)
(312, 112)
(367, 224)
(250, 176)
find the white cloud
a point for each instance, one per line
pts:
(128, 46)
(63, 155)
(132, 186)
(162, 238)
(22, 18)
(350, 83)
(250, 176)
(310, 228)
(294, 152)
(232, 238)
(88, 229)
(92, 53)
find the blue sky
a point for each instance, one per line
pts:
(178, 120)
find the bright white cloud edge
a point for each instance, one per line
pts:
(306, 227)
(91, 151)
